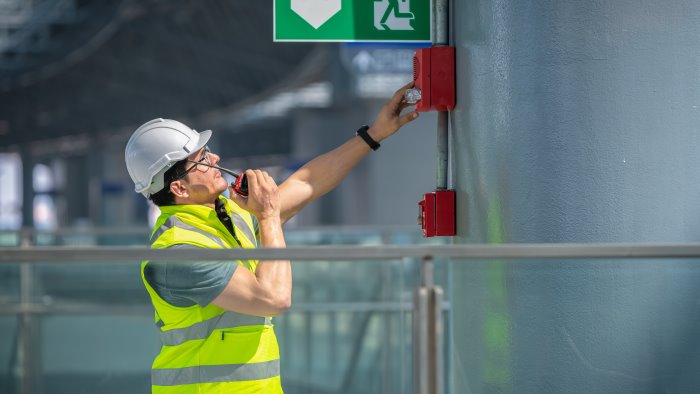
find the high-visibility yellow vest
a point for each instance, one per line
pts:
(208, 349)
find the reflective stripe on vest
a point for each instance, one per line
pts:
(215, 373)
(174, 221)
(240, 224)
(205, 328)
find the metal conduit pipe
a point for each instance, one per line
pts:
(441, 37)
(428, 369)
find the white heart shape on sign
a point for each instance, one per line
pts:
(316, 12)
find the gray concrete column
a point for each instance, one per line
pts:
(577, 121)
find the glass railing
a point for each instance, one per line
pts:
(71, 327)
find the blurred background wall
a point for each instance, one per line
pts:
(78, 76)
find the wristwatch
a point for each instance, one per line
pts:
(362, 132)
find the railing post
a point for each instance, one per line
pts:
(427, 333)
(25, 356)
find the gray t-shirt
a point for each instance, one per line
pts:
(184, 284)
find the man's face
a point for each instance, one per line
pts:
(203, 184)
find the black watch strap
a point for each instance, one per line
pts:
(362, 132)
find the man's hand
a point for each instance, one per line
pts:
(267, 291)
(263, 197)
(323, 173)
(389, 119)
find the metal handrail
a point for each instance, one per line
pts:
(145, 231)
(428, 305)
(125, 254)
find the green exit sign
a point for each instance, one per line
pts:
(352, 20)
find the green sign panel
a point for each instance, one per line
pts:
(352, 20)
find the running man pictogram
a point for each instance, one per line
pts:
(396, 15)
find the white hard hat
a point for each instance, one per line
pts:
(155, 147)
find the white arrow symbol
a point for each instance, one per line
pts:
(316, 12)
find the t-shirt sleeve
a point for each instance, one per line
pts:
(184, 284)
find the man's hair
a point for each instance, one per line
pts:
(164, 197)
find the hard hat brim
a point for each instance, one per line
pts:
(204, 137)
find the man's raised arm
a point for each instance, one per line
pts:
(325, 172)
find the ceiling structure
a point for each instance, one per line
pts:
(79, 67)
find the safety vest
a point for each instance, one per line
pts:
(208, 349)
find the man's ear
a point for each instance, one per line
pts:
(179, 189)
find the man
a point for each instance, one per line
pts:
(214, 318)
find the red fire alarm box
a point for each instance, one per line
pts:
(437, 214)
(434, 75)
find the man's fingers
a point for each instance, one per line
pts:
(268, 178)
(264, 179)
(405, 105)
(399, 94)
(409, 117)
(237, 198)
(252, 179)
(258, 179)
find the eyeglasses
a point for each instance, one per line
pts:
(203, 160)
